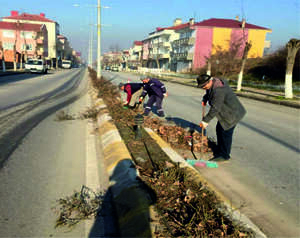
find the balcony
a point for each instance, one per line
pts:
(185, 41)
(164, 44)
(267, 44)
(190, 56)
(181, 56)
(40, 40)
(163, 56)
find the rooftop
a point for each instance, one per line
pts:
(20, 26)
(30, 17)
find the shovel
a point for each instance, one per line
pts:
(203, 131)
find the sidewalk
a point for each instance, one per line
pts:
(11, 72)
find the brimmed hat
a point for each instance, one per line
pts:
(121, 85)
(143, 77)
(202, 80)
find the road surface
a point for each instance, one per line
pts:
(42, 159)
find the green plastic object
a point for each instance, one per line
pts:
(209, 164)
(124, 107)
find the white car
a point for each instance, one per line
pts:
(36, 66)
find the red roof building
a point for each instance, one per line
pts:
(52, 28)
(23, 40)
(29, 17)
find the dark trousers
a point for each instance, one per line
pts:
(224, 140)
(154, 99)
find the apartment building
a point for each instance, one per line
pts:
(135, 54)
(52, 28)
(64, 50)
(23, 40)
(189, 45)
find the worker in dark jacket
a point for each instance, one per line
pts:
(156, 92)
(133, 90)
(226, 107)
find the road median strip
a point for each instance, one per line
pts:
(130, 198)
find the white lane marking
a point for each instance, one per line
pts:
(92, 176)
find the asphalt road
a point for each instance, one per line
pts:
(263, 177)
(43, 159)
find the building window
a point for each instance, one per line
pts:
(8, 34)
(8, 46)
(27, 34)
(27, 47)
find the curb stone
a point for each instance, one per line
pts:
(192, 173)
(132, 203)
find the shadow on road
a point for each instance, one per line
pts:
(263, 133)
(18, 77)
(131, 199)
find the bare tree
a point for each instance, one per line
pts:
(224, 61)
(15, 55)
(244, 58)
(292, 46)
(3, 59)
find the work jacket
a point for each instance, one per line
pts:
(154, 87)
(131, 88)
(224, 104)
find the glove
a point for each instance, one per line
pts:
(203, 124)
(203, 103)
(140, 100)
(166, 95)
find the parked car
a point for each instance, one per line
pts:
(66, 64)
(133, 67)
(115, 69)
(36, 66)
(107, 68)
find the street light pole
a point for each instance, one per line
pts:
(99, 41)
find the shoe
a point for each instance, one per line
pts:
(219, 159)
(146, 114)
(161, 114)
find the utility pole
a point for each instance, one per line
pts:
(89, 51)
(99, 41)
(91, 47)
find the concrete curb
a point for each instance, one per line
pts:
(130, 200)
(193, 174)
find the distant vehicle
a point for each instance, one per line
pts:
(66, 64)
(115, 69)
(133, 67)
(36, 66)
(107, 68)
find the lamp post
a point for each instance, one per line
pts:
(99, 40)
(98, 35)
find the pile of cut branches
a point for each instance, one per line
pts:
(177, 136)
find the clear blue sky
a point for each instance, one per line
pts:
(129, 20)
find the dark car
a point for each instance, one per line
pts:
(107, 68)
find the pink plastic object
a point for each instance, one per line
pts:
(200, 164)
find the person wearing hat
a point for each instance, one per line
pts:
(226, 107)
(156, 91)
(133, 90)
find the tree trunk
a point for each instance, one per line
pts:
(157, 63)
(3, 65)
(292, 46)
(244, 59)
(21, 61)
(208, 71)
